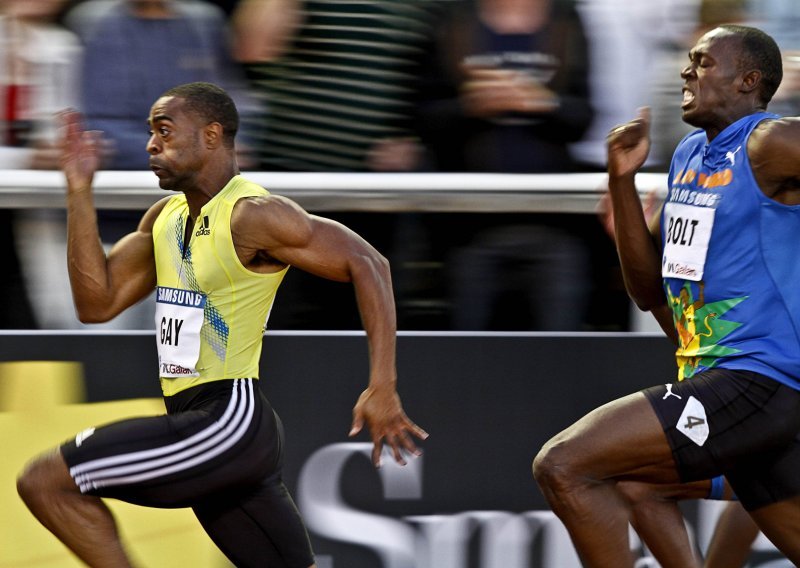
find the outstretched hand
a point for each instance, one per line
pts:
(380, 409)
(80, 152)
(628, 145)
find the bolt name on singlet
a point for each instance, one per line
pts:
(681, 231)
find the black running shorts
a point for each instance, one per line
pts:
(219, 451)
(737, 423)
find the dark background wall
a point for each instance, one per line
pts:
(489, 402)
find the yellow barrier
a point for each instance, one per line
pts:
(40, 406)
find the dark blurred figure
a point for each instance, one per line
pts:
(507, 92)
(508, 89)
(336, 80)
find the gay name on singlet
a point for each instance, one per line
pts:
(170, 331)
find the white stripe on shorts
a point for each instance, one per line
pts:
(149, 464)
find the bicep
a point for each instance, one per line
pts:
(279, 228)
(131, 262)
(328, 250)
(131, 270)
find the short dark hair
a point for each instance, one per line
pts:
(759, 51)
(212, 104)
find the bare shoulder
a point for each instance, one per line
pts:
(150, 216)
(270, 219)
(774, 152)
(770, 135)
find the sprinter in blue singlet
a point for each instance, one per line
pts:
(723, 283)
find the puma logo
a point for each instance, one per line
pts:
(670, 393)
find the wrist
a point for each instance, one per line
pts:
(615, 177)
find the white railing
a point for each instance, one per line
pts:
(557, 193)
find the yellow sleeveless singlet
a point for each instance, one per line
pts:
(210, 310)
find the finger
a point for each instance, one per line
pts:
(416, 430)
(409, 445)
(357, 425)
(644, 115)
(398, 455)
(377, 449)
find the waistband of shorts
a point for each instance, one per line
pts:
(198, 395)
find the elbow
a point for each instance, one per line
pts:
(374, 262)
(644, 305)
(647, 302)
(371, 266)
(382, 264)
(90, 317)
(383, 267)
(646, 294)
(87, 314)
(648, 306)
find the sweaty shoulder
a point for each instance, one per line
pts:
(269, 221)
(150, 216)
(774, 152)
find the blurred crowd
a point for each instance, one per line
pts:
(498, 86)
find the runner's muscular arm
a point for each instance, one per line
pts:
(628, 146)
(102, 287)
(279, 228)
(774, 152)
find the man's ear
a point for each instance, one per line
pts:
(212, 135)
(750, 81)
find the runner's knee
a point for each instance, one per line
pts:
(553, 466)
(42, 476)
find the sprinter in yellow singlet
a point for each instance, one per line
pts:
(215, 253)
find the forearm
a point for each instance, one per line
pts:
(373, 287)
(86, 259)
(379, 405)
(639, 258)
(663, 315)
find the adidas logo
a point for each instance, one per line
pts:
(203, 230)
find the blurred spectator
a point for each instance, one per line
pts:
(39, 70)
(134, 50)
(508, 92)
(40, 73)
(631, 44)
(336, 78)
(781, 19)
(508, 88)
(336, 82)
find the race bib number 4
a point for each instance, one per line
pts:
(686, 238)
(179, 319)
